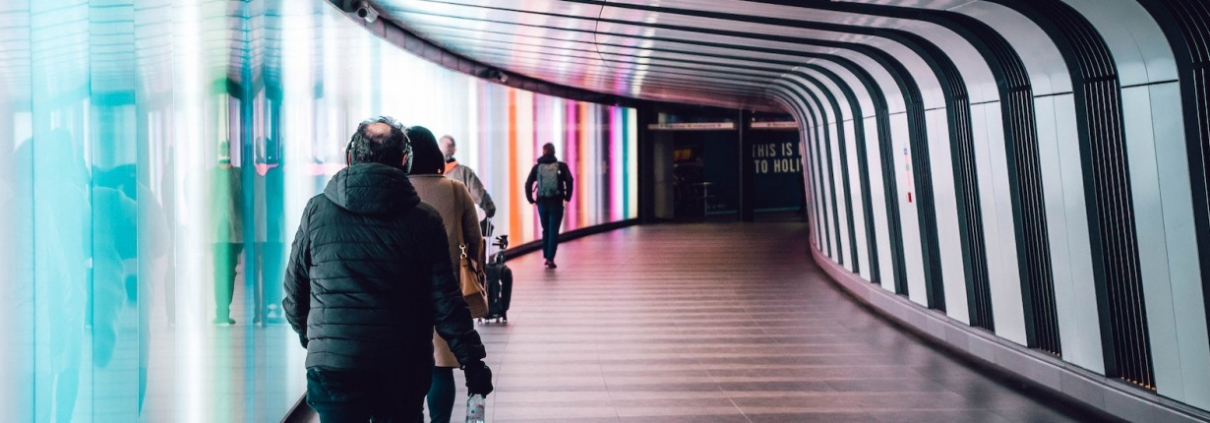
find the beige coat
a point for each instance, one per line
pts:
(452, 201)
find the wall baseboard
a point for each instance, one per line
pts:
(529, 247)
(1057, 378)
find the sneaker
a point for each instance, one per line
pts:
(218, 321)
(551, 264)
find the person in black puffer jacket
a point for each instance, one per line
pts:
(368, 280)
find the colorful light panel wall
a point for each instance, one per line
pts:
(155, 156)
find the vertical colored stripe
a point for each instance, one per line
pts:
(632, 162)
(515, 181)
(571, 156)
(617, 204)
(587, 167)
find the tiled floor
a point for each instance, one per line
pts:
(717, 323)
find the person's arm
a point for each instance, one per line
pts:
(479, 194)
(529, 184)
(488, 205)
(297, 302)
(568, 181)
(472, 236)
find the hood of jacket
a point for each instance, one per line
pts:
(372, 189)
(547, 159)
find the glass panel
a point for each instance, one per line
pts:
(155, 156)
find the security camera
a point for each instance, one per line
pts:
(494, 75)
(365, 11)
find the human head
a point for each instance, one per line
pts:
(429, 160)
(380, 140)
(548, 149)
(448, 147)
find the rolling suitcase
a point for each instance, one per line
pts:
(499, 280)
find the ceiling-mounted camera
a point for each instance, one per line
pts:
(367, 12)
(494, 74)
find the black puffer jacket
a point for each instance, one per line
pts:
(370, 276)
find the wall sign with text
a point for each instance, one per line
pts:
(775, 158)
(692, 126)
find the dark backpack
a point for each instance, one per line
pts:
(548, 180)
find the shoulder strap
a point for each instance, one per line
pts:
(457, 215)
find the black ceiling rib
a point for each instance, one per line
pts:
(841, 141)
(969, 211)
(810, 124)
(1107, 189)
(812, 99)
(1186, 24)
(1027, 196)
(862, 167)
(807, 125)
(1024, 171)
(887, 160)
(1026, 191)
(808, 175)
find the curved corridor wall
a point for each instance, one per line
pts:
(1035, 170)
(155, 156)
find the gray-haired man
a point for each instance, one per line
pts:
(465, 175)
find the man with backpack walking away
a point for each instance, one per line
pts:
(369, 279)
(554, 186)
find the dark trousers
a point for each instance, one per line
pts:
(269, 287)
(441, 395)
(550, 214)
(226, 257)
(345, 396)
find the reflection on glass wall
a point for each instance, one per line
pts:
(155, 156)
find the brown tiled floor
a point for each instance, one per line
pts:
(717, 323)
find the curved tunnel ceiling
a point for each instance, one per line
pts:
(747, 54)
(716, 52)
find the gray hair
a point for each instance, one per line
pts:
(370, 145)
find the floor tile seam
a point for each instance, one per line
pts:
(608, 391)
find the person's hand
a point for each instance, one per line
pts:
(302, 338)
(490, 214)
(478, 378)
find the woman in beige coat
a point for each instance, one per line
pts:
(453, 202)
